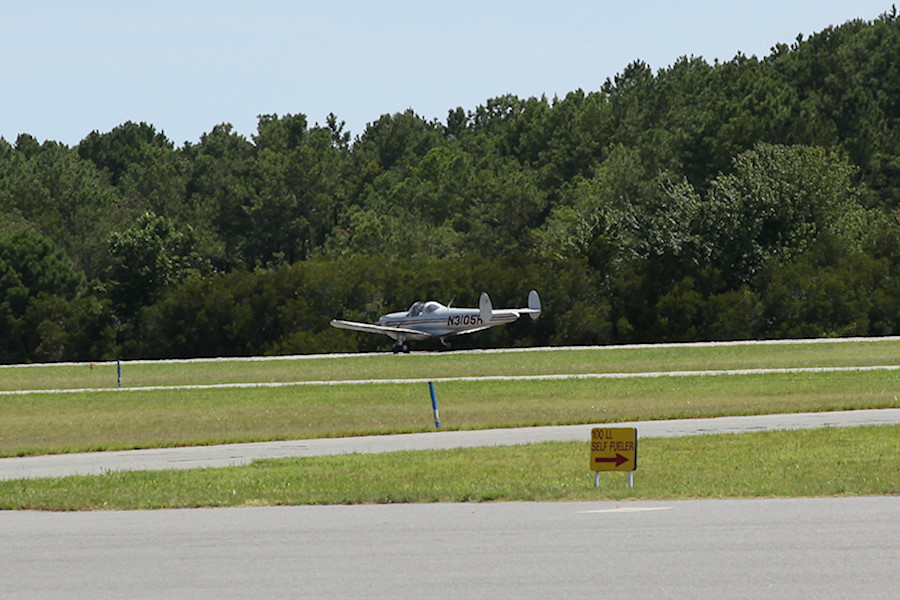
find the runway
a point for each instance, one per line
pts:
(827, 548)
(97, 463)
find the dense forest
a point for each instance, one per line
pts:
(754, 198)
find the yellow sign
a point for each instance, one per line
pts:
(613, 449)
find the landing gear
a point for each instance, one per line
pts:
(401, 347)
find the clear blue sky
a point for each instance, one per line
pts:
(69, 68)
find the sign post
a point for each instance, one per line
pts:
(614, 449)
(437, 416)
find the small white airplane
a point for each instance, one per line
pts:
(425, 320)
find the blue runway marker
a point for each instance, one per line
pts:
(437, 417)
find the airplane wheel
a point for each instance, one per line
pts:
(405, 349)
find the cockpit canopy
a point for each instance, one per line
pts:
(427, 307)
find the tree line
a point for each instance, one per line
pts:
(754, 198)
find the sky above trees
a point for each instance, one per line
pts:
(70, 69)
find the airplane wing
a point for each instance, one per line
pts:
(372, 328)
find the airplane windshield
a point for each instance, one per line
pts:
(416, 309)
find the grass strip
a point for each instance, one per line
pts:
(822, 462)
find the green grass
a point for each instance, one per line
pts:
(822, 462)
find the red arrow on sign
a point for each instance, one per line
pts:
(619, 459)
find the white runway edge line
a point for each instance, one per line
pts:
(422, 380)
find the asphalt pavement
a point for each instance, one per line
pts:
(777, 549)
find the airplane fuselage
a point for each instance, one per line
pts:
(434, 319)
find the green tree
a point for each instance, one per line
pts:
(80, 329)
(32, 269)
(63, 197)
(393, 141)
(220, 189)
(157, 182)
(776, 203)
(830, 291)
(119, 150)
(147, 258)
